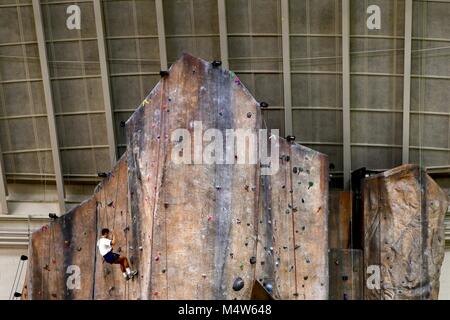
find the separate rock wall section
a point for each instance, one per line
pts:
(404, 213)
(293, 254)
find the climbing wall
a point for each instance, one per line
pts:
(195, 229)
(195, 223)
(113, 213)
(292, 257)
(404, 213)
(66, 247)
(346, 274)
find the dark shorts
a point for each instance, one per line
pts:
(111, 257)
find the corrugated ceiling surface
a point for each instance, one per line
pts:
(377, 85)
(430, 94)
(76, 87)
(24, 136)
(255, 54)
(133, 57)
(316, 67)
(192, 26)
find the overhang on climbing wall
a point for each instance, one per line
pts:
(404, 212)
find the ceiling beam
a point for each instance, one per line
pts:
(407, 81)
(223, 33)
(161, 34)
(347, 154)
(99, 25)
(3, 187)
(287, 87)
(49, 105)
(3, 181)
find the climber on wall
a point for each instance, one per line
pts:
(105, 248)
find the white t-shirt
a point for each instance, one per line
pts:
(104, 246)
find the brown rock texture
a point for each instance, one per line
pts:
(293, 225)
(193, 230)
(71, 241)
(404, 213)
(346, 273)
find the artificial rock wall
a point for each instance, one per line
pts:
(193, 231)
(404, 212)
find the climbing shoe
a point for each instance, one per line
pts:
(132, 274)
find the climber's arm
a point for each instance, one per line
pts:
(113, 241)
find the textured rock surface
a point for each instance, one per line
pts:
(71, 241)
(339, 220)
(346, 274)
(193, 231)
(404, 213)
(196, 222)
(293, 225)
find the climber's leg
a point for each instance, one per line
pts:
(125, 267)
(123, 261)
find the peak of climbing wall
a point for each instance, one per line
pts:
(185, 216)
(193, 229)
